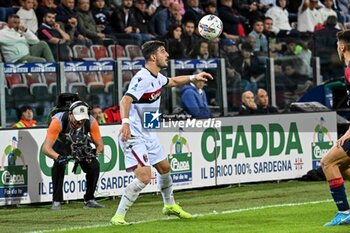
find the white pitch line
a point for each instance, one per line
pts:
(195, 215)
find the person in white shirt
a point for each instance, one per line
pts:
(279, 15)
(308, 16)
(327, 10)
(28, 16)
(140, 144)
(18, 44)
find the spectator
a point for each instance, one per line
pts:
(343, 11)
(43, 7)
(273, 45)
(189, 38)
(102, 17)
(27, 15)
(67, 18)
(261, 45)
(25, 117)
(309, 17)
(250, 9)
(201, 51)
(296, 84)
(163, 4)
(230, 52)
(21, 45)
(325, 41)
(279, 16)
(181, 5)
(97, 113)
(124, 23)
(232, 21)
(88, 27)
(161, 21)
(142, 19)
(209, 7)
(194, 100)
(248, 66)
(248, 106)
(55, 36)
(262, 102)
(173, 42)
(327, 10)
(193, 12)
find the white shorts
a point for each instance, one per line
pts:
(141, 151)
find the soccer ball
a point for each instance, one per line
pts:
(210, 27)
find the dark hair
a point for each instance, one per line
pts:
(150, 47)
(257, 20)
(22, 109)
(344, 36)
(49, 12)
(331, 20)
(172, 28)
(267, 18)
(13, 16)
(278, 3)
(247, 47)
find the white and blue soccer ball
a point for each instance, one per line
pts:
(210, 27)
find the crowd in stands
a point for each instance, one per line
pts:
(290, 31)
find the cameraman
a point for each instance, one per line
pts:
(64, 135)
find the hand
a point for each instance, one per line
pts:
(125, 132)
(22, 28)
(343, 138)
(57, 26)
(73, 22)
(61, 160)
(81, 37)
(203, 76)
(128, 29)
(101, 35)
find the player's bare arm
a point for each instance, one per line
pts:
(124, 113)
(182, 80)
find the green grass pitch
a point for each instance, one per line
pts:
(262, 207)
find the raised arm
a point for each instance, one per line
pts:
(182, 80)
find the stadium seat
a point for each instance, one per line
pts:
(33, 78)
(79, 88)
(116, 51)
(21, 94)
(13, 79)
(90, 77)
(8, 96)
(73, 77)
(109, 87)
(51, 80)
(11, 115)
(133, 51)
(40, 92)
(99, 51)
(80, 52)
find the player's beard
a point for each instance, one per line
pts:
(162, 64)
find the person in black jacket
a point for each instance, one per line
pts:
(262, 101)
